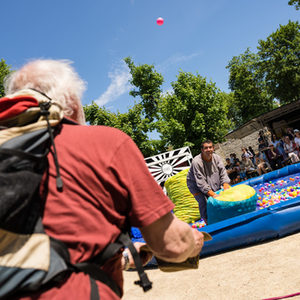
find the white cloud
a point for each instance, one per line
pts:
(177, 58)
(118, 86)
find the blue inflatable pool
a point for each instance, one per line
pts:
(265, 223)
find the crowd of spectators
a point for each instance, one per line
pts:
(273, 153)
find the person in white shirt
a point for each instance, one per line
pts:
(297, 138)
(290, 149)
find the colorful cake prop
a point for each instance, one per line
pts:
(232, 202)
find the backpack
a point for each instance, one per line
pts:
(31, 260)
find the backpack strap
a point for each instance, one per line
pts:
(45, 112)
(122, 241)
(94, 290)
(92, 266)
(96, 273)
(144, 281)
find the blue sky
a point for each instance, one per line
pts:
(198, 36)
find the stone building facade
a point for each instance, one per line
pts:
(275, 121)
(235, 145)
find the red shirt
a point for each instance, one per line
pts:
(105, 179)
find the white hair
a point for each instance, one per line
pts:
(56, 78)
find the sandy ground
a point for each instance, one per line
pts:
(262, 271)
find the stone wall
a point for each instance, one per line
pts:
(235, 145)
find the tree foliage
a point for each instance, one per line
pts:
(131, 122)
(4, 71)
(250, 97)
(139, 120)
(272, 74)
(280, 62)
(195, 111)
(296, 3)
(148, 86)
(233, 110)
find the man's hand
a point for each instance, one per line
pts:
(171, 239)
(199, 240)
(211, 193)
(226, 186)
(145, 256)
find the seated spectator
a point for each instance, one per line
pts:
(290, 149)
(232, 171)
(228, 164)
(236, 166)
(250, 150)
(242, 172)
(264, 135)
(246, 153)
(290, 133)
(261, 136)
(263, 148)
(297, 139)
(263, 167)
(249, 167)
(275, 158)
(278, 143)
(234, 160)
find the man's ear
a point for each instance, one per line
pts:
(78, 114)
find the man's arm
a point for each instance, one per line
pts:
(172, 240)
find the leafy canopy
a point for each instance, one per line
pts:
(131, 122)
(250, 97)
(272, 75)
(280, 62)
(195, 111)
(296, 3)
(148, 86)
(4, 71)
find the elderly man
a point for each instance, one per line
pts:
(106, 186)
(206, 175)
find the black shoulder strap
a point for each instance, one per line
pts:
(144, 281)
(96, 273)
(124, 240)
(94, 290)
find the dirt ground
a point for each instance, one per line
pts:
(262, 271)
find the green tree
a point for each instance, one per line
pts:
(148, 87)
(4, 71)
(195, 111)
(280, 62)
(131, 122)
(250, 97)
(233, 110)
(295, 2)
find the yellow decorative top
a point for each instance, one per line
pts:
(237, 193)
